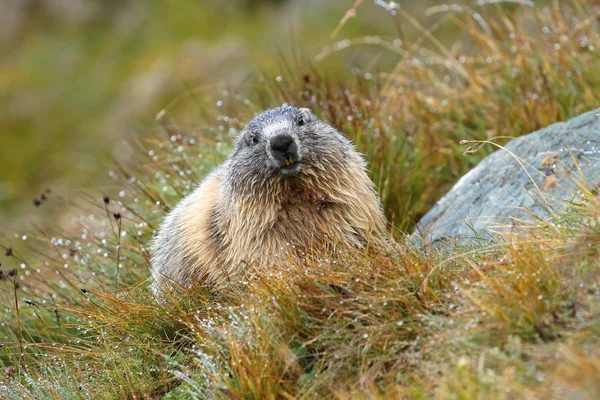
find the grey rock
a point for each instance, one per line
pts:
(538, 179)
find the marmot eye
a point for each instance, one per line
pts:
(252, 138)
(300, 121)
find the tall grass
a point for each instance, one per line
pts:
(510, 320)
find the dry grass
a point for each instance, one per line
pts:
(518, 319)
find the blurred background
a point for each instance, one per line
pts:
(77, 77)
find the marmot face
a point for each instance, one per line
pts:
(285, 143)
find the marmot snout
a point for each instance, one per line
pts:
(293, 184)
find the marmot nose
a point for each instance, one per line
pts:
(281, 144)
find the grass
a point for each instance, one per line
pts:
(77, 80)
(505, 320)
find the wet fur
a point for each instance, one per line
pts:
(247, 213)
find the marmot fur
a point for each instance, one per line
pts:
(292, 184)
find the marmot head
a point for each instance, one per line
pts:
(286, 143)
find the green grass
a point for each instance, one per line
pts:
(74, 85)
(507, 320)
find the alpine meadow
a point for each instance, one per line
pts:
(516, 317)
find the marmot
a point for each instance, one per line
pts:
(292, 184)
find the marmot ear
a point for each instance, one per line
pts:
(307, 115)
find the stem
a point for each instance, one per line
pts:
(118, 255)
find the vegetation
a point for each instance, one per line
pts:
(81, 76)
(515, 319)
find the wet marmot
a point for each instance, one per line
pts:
(292, 184)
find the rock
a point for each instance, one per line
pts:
(501, 192)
